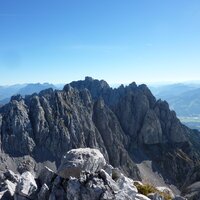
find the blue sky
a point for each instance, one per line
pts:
(117, 40)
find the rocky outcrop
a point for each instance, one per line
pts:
(118, 122)
(26, 185)
(151, 132)
(16, 131)
(92, 183)
(22, 187)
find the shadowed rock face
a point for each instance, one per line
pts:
(91, 114)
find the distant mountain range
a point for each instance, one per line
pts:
(24, 89)
(184, 99)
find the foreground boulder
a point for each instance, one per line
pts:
(83, 159)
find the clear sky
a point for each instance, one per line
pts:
(120, 41)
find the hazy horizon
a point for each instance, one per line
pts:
(111, 84)
(121, 42)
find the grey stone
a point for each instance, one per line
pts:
(108, 180)
(26, 185)
(78, 160)
(127, 185)
(11, 187)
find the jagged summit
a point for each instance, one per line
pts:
(128, 125)
(95, 86)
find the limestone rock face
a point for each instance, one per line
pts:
(17, 135)
(173, 130)
(136, 107)
(89, 113)
(151, 132)
(82, 159)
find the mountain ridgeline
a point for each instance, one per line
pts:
(182, 97)
(23, 89)
(127, 124)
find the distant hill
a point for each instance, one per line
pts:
(35, 88)
(173, 90)
(24, 89)
(187, 103)
(184, 99)
(7, 91)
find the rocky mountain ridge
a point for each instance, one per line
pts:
(128, 125)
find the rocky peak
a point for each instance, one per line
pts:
(16, 98)
(96, 87)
